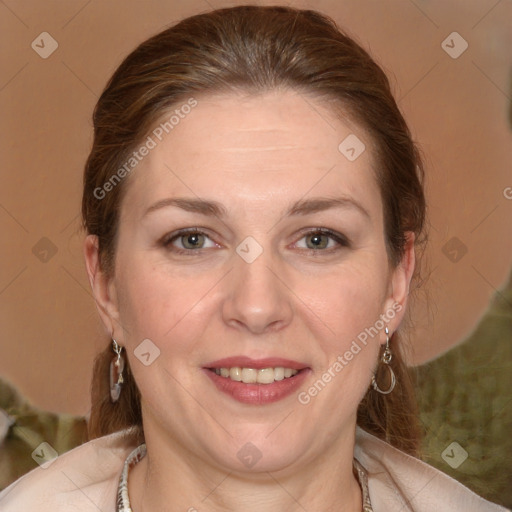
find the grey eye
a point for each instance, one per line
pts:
(192, 240)
(317, 241)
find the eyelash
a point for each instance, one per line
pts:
(339, 238)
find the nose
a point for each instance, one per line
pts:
(257, 299)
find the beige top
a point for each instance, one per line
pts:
(87, 479)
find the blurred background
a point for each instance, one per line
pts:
(450, 65)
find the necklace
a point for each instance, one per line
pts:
(123, 500)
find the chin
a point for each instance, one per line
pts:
(263, 451)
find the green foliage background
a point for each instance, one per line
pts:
(466, 396)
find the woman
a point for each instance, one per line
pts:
(253, 204)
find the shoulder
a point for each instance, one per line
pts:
(85, 477)
(397, 481)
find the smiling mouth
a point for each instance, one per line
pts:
(256, 376)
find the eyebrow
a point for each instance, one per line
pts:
(300, 207)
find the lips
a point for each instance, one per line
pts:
(257, 393)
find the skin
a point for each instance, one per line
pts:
(256, 155)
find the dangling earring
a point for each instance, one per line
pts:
(116, 372)
(386, 359)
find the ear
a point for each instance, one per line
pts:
(400, 281)
(103, 287)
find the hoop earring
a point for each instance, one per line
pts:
(116, 372)
(386, 359)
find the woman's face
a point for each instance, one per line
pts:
(284, 266)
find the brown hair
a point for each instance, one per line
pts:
(254, 49)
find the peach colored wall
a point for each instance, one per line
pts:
(458, 108)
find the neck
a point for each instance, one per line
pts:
(171, 478)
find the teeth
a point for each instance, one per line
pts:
(235, 374)
(249, 375)
(265, 376)
(279, 373)
(253, 376)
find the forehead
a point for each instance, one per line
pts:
(265, 147)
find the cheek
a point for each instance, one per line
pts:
(159, 303)
(348, 299)
(347, 306)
